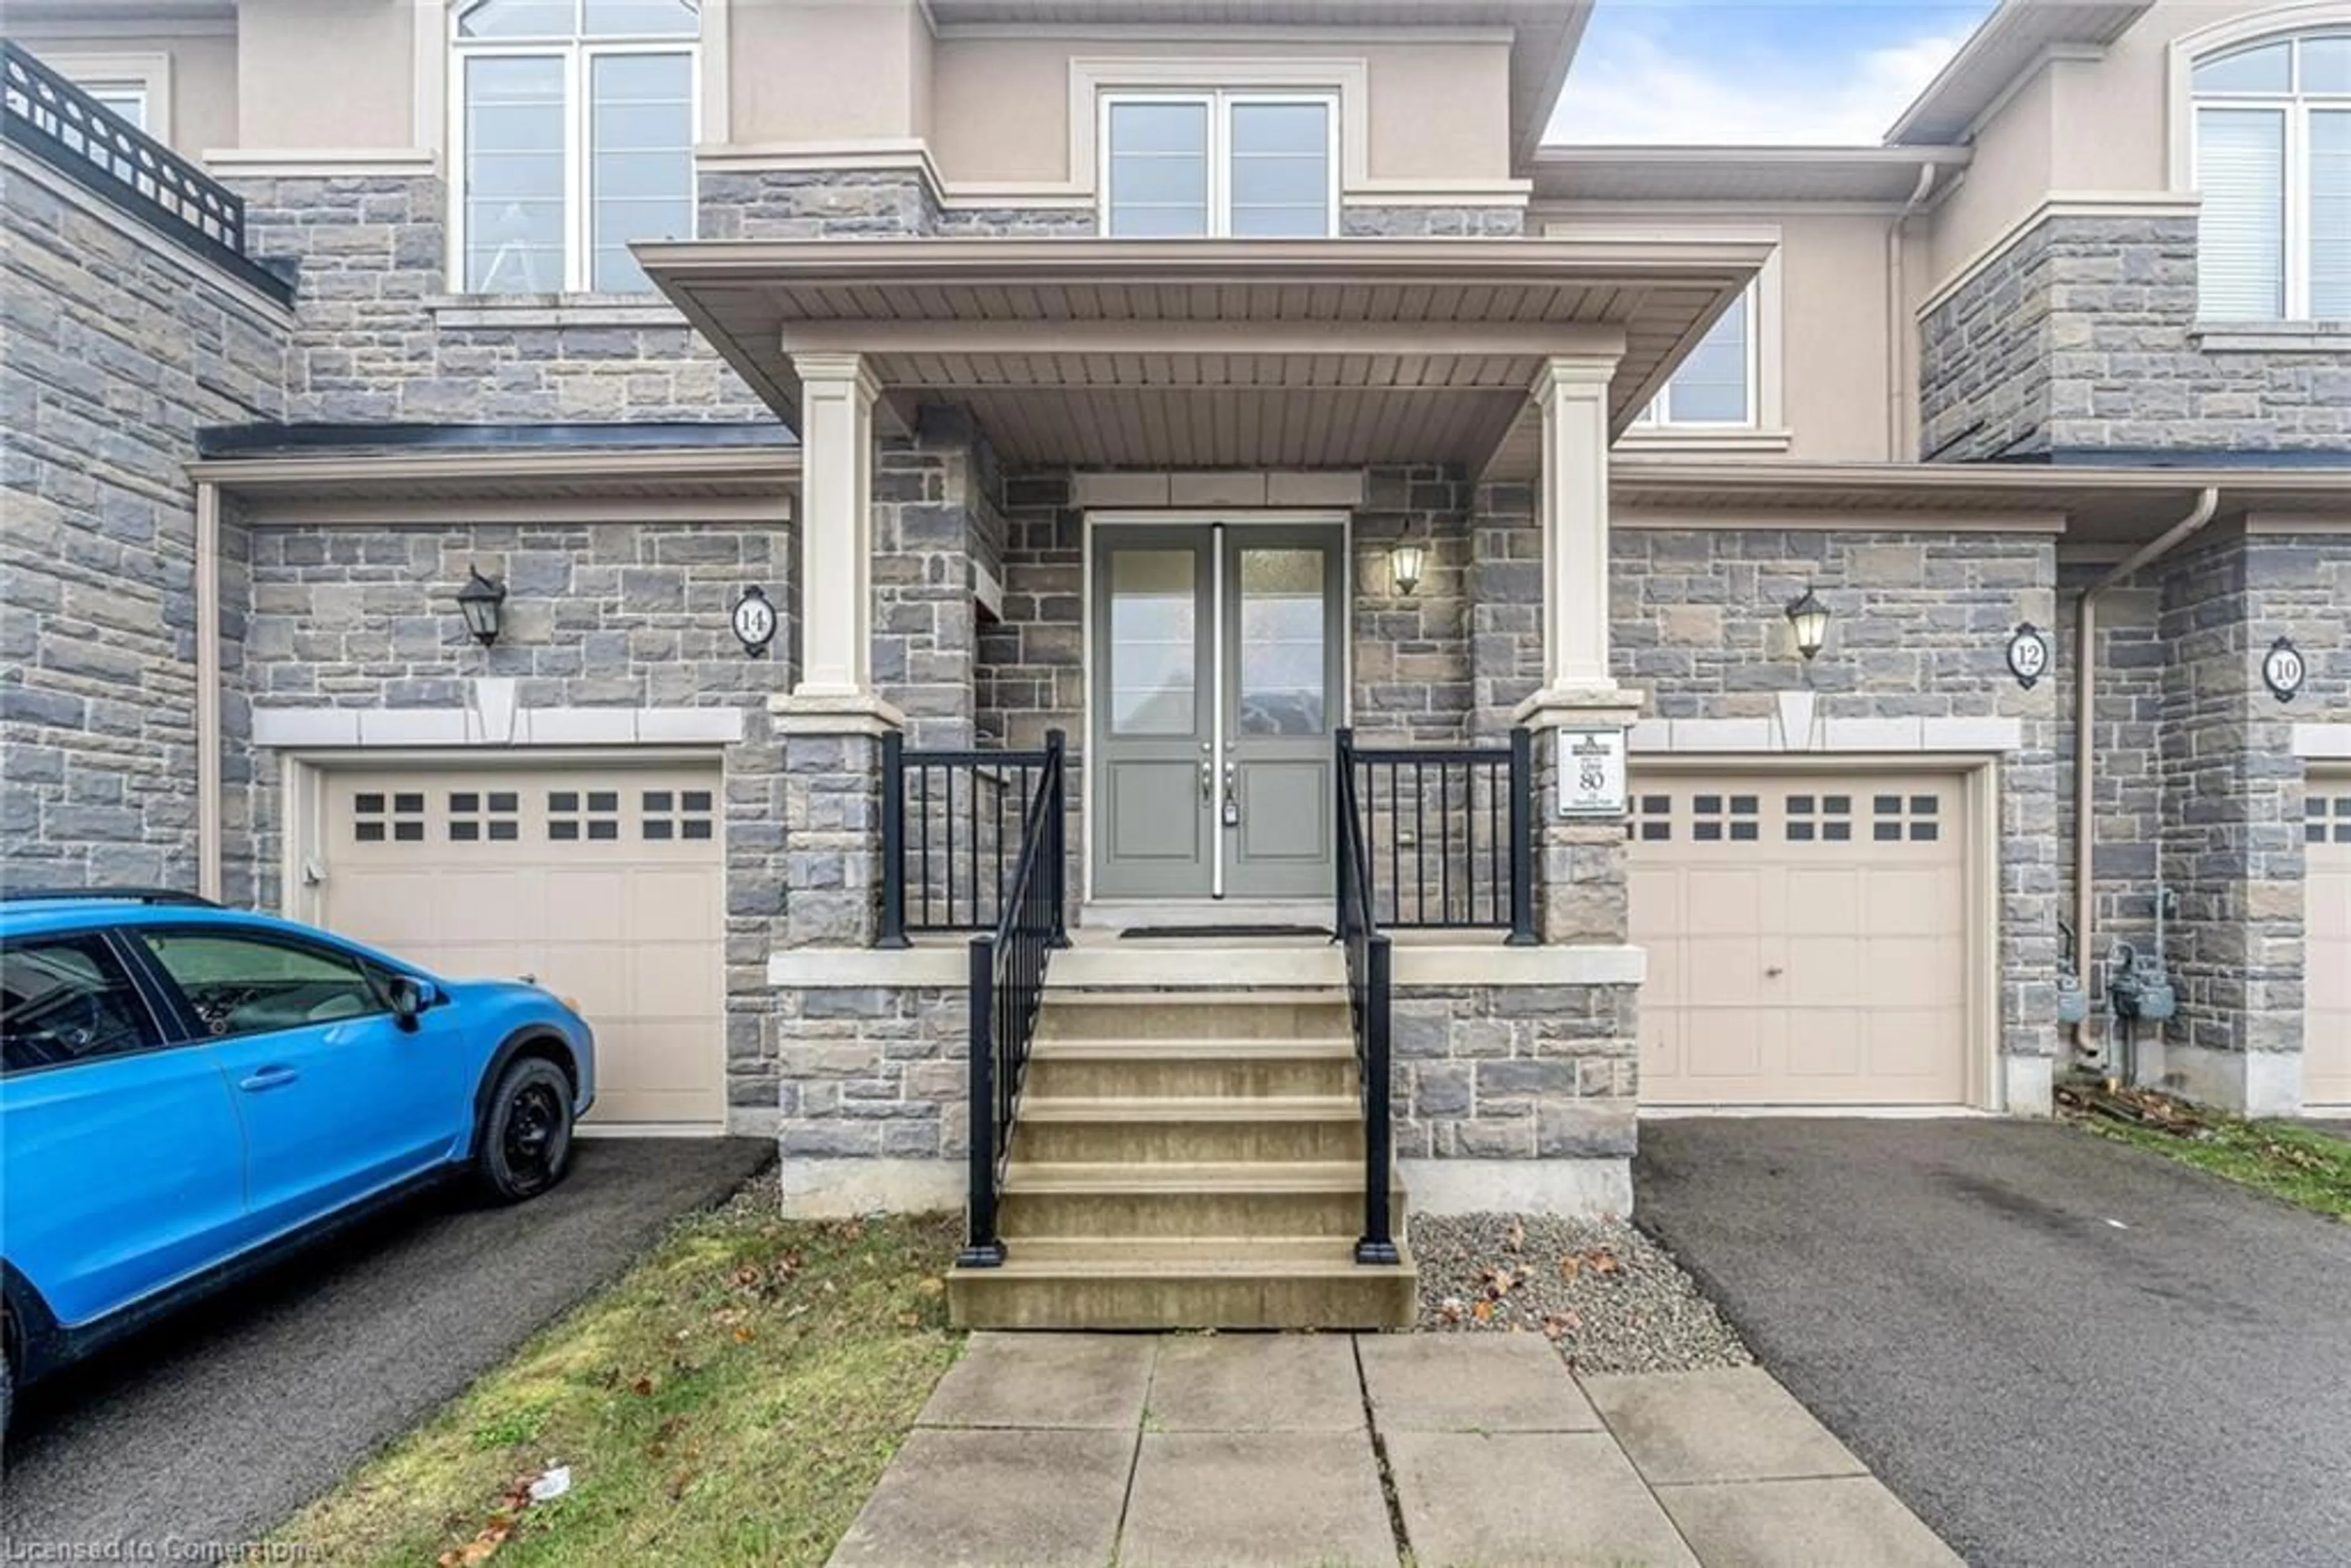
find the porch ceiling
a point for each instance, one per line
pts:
(1300, 354)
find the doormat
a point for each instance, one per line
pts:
(1219, 933)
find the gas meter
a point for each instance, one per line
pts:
(2073, 1001)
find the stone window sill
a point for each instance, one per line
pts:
(508, 310)
(2273, 336)
(1701, 440)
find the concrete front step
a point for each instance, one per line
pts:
(1316, 1285)
(1270, 1131)
(1176, 1069)
(1226, 1015)
(1204, 1201)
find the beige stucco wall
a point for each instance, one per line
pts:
(828, 70)
(323, 74)
(1829, 347)
(204, 69)
(2101, 126)
(1438, 111)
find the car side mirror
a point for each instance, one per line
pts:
(409, 997)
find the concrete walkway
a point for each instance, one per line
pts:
(1238, 1450)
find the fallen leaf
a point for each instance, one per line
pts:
(1483, 1312)
(1515, 1237)
(642, 1387)
(909, 1319)
(743, 1333)
(931, 1285)
(1569, 1267)
(678, 1483)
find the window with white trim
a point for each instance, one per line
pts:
(127, 98)
(1716, 387)
(2273, 166)
(574, 136)
(1246, 165)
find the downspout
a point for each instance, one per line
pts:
(208, 690)
(1897, 336)
(2085, 679)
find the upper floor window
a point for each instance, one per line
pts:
(574, 136)
(1716, 385)
(127, 98)
(1188, 165)
(2273, 166)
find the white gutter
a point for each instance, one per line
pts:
(2086, 677)
(1899, 387)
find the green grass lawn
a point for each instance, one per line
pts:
(2299, 1164)
(731, 1400)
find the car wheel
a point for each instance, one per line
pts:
(525, 1145)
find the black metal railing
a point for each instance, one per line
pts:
(1368, 971)
(1007, 982)
(1448, 834)
(951, 830)
(72, 132)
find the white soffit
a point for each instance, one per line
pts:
(1879, 175)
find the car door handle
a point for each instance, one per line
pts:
(276, 1076)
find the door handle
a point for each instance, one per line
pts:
(1774, 972)
(1208, 779)
(275, 1076)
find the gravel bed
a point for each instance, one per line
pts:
(1604, 1294)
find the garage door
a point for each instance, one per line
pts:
(2326, 976)
(1807, 939)
(604, 883)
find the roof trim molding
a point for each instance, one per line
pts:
(2007, 45)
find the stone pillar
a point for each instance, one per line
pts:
(831, 725)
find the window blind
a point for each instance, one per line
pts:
(2240, 173)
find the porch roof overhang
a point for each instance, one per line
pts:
(1216, 354)
(2094, 508)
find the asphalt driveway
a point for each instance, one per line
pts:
(2055, 1349)
(217, 1424)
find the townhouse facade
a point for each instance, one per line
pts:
(1904, 591)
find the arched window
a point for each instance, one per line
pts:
(574, 136)
(2274, 167)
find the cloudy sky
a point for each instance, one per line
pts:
(1836, 72)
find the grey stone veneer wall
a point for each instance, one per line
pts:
(117, 349)
(604, 615)
(380, 337)
(2081, 336)
(1920, 630)
(2233, 791)
(1432, 223)
(384, 337)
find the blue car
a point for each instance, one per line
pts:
(189, 1091)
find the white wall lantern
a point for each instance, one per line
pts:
(1407, 558)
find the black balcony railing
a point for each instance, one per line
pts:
(1007, 983)
(1368, 971)
(1448, 834)
(88, 143)
(951, 834)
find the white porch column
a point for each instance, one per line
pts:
(1572, 491)
(1581, 895)
(837, 395)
